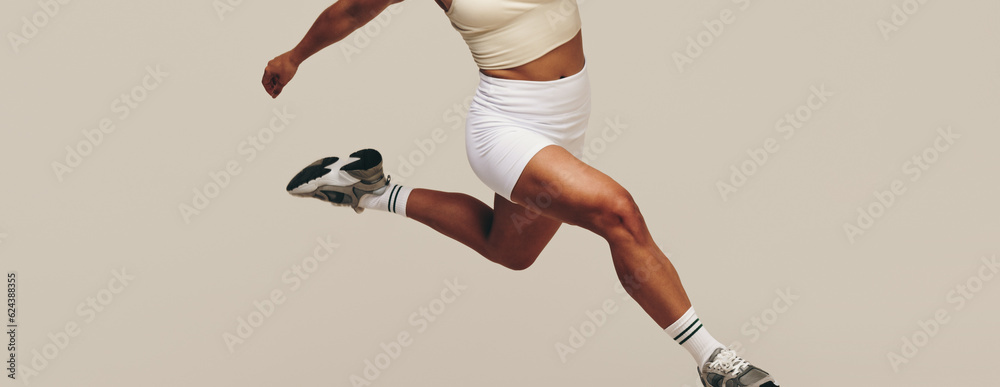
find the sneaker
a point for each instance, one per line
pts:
(342, 182)
(725, 369)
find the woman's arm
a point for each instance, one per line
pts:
(334, 24)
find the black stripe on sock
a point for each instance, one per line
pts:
(389, 203)
(395, 199)
(692, 334)
(388, 206)
(687, 329)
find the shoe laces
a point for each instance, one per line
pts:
(727, 362)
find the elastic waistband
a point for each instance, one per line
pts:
(535, 100)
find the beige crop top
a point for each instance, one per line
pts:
(508, 33)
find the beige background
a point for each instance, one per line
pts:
(782, 230)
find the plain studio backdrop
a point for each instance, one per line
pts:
(822, 174)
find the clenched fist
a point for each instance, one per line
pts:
(278, 73)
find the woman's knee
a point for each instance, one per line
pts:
(616, 215)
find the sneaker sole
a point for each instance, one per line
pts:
(366, 168)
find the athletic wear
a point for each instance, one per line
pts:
(689, 332)
(725, 369)
(509, 121)
(341, 181)
(508, 33)
(392, 200)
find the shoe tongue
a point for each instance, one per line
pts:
(715, 354)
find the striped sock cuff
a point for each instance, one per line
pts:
(688, 332)
(393, 200)
(397, 199)
(682, 323)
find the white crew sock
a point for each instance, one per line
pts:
(392, 200)
(690, 334)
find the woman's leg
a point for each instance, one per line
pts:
(492, 233)
(563, 189)
(557, 187)
(586, 197)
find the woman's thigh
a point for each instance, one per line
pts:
(564, 188)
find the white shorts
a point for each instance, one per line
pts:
(509, 121)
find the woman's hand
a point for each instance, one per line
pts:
(278, 73)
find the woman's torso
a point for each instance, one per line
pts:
(490, 26)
